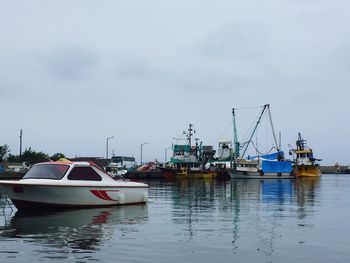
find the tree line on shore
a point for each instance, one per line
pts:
(29, 156)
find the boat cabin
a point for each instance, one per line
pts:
(67, 171)
(305, 157)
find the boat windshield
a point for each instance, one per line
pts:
(47, 171)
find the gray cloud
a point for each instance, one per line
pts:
(134, 69)
(81, 71)
(235, 42)
(71, 63)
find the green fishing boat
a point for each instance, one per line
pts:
(189, 160)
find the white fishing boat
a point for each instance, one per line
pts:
(261, 167)
(268, 165)
(71, 184)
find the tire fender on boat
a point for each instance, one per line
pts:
(261, 173)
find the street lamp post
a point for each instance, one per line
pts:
(141, 152)
(107, 148)
(20, 142)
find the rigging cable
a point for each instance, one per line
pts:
(256, 149)
(249, 132)
(273, 130)
(249, 108)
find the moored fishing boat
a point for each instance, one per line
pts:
(264, 166)
(268, 165)
(222, 162)
(304, 162)
(189, 161)
(71, 184)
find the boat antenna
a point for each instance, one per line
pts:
(189, 135)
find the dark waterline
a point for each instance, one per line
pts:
(194, 221)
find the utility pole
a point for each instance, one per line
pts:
(20, 142)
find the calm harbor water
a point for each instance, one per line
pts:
(194, 221)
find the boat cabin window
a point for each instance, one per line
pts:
(47, 171)
(84, 174)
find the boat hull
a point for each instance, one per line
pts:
(307, 171)
(199, 175)
(170, 173)
(26, 196)
(256, 175)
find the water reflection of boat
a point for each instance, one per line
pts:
(269, 192)
(246, 213)
(82, 229)
(306, 193)
(279, 191)
(259, 205)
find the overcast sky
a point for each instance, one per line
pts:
(73, 73)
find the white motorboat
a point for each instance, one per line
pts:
(71, 184)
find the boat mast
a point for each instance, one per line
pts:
(189, 135)
(279, 140)
(301, 143)
(235, 137)
(256, 126)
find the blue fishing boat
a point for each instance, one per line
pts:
(270, 165)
